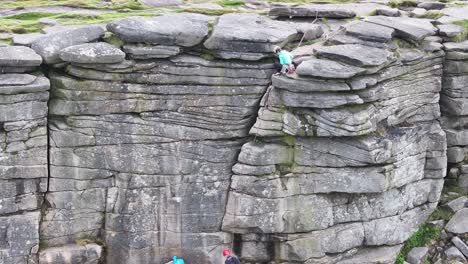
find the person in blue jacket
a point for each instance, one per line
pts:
(285, 64)
(176, 260)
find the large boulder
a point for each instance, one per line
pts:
(369, 31)
(408, 28)
(328, 69)
(49, 46)
(459, 222)
(100, 52)
(183, 29)
(248, 33)
(354, 54)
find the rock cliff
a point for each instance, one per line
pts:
(179, 141)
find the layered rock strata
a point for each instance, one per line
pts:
(348, 157)
(143, 138)
(23, 153)
(454, 105)
(180, 141)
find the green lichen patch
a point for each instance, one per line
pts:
(402, 3)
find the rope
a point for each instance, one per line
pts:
(313, 22)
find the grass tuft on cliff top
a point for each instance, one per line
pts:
(229, 3)
(29, 22)
(402, 3)
(420, 238)
(89, 4)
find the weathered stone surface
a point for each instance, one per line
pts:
(99, 52)
(25, 39)
(457, 204)
(385, 255)
(12, 56)
(308, 85)
(150, 52)
(49, 46)
(453, 253)
(327, 11)
(368, 31)
(418, 12)
(152, 154)
(309, 31)
(86, 254)
(354, 54)
(390, 12)
(248, 33)
(450, 30)
(432, 5)
(327, 69)
(16, 79)
(460, 245)
(20, 236)
(457, 46)
(455, 154)
(185, 30)
(408, 28)
(459, 222)
(417, 255)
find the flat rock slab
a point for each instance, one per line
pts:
(369, 31)
(150, 52)
(56, 29)
(453, 253)
(456, 204)
(249, 33)
(49, 46)
(183, 29)
(459, 222)
(450, 30)
(391, 12)
(16, 56)
(354, 54)
(26, 39)
(407, 55)
(432, 5)
(408, 28)
(456, 46)
(328, 69)
(325, 11)
(455, 13)
(460, 245)
(16, 79)
(99, 52)
(161, 2)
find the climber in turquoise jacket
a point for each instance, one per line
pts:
(285, 64)
(176, 260)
